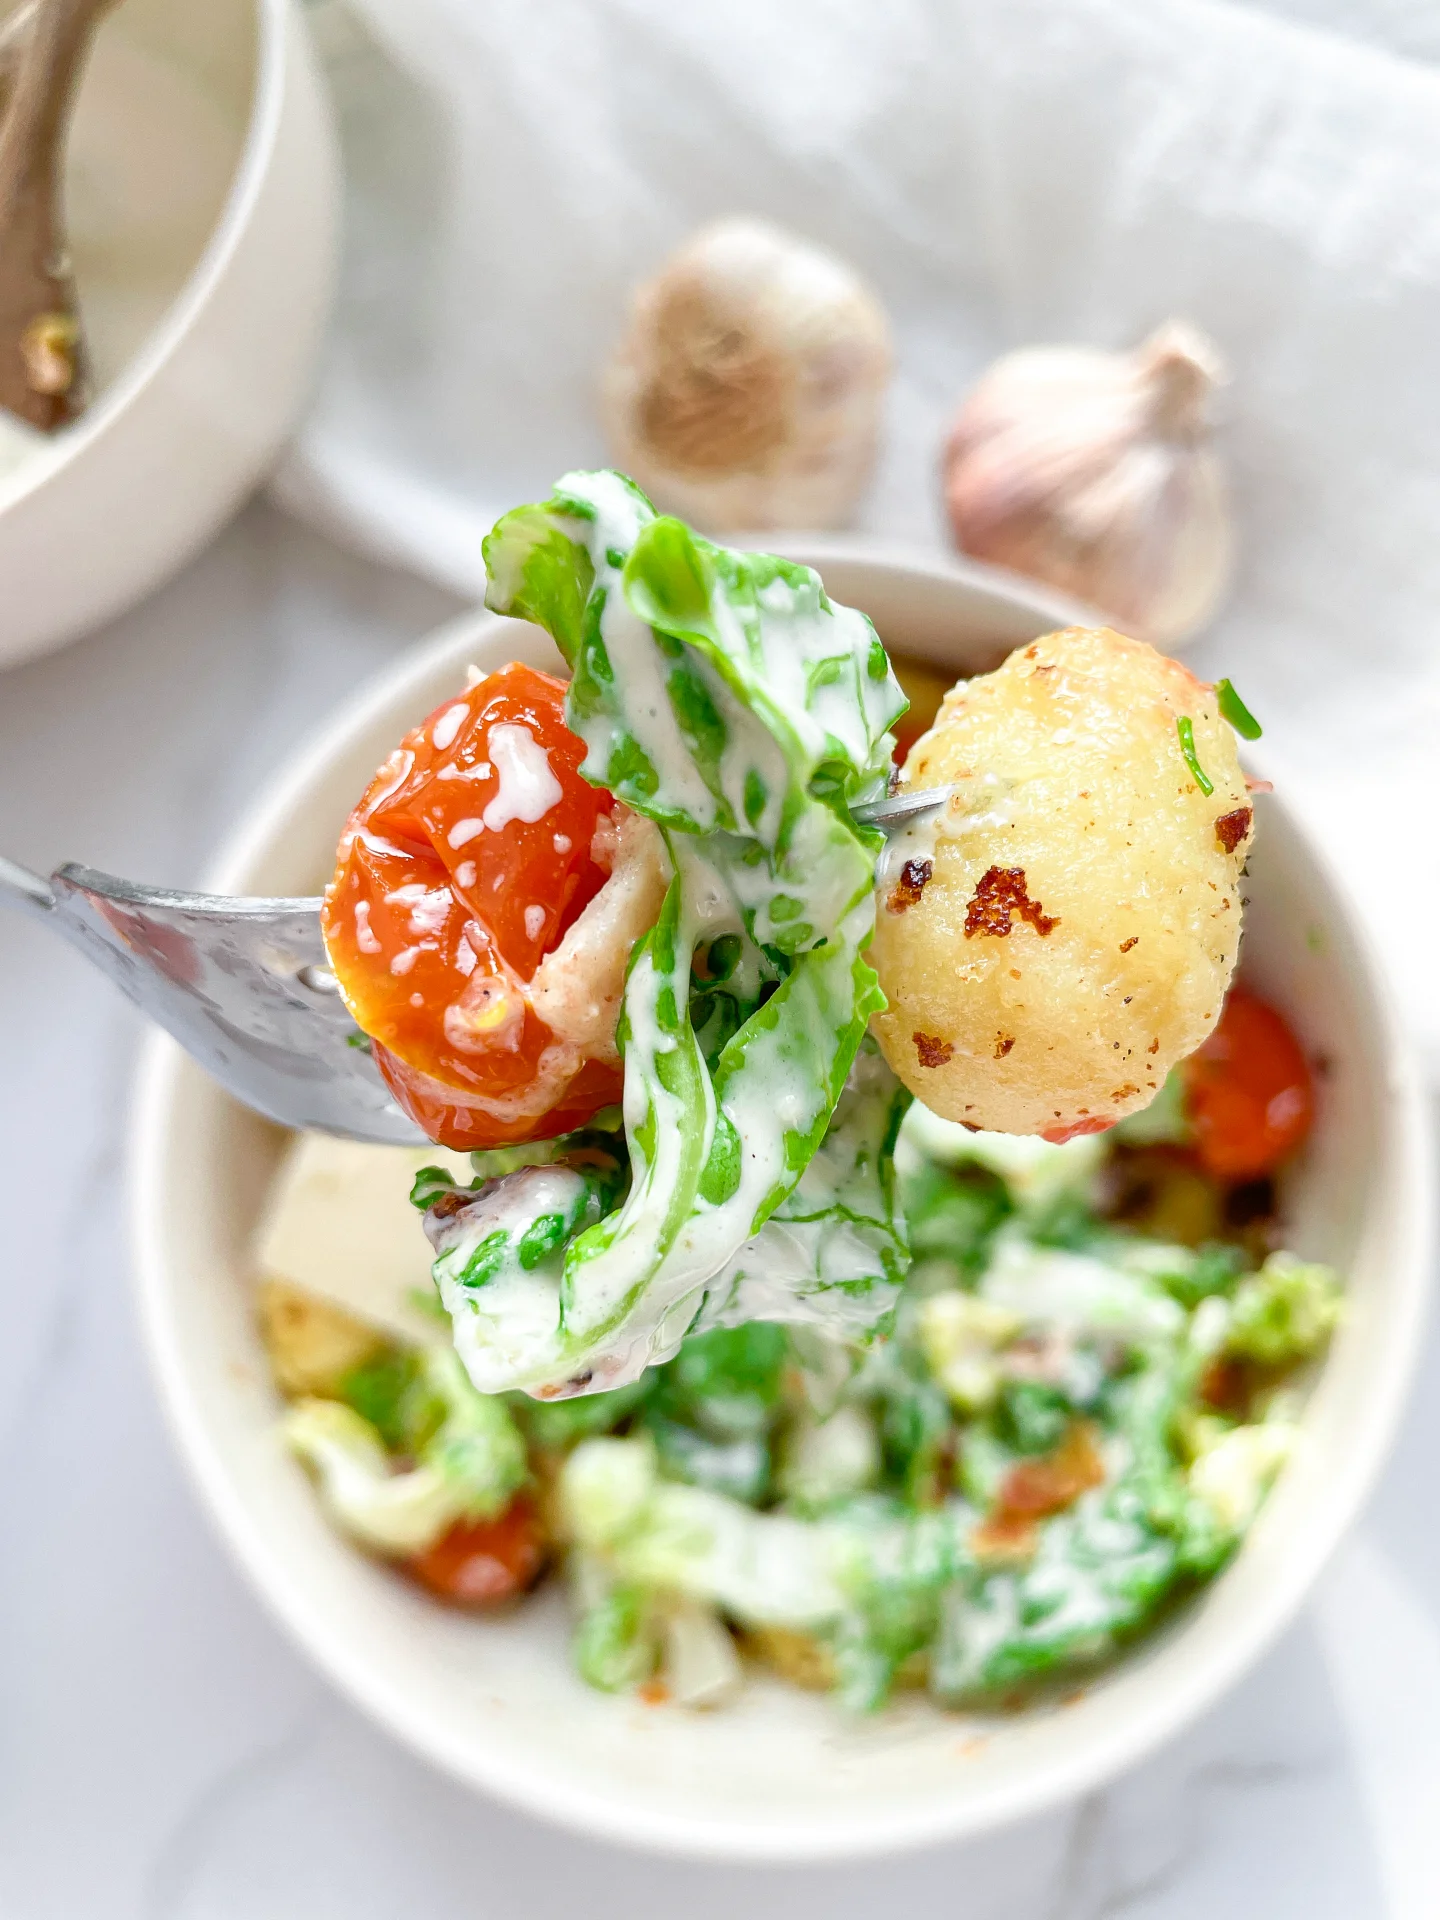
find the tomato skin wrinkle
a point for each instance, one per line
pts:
(436, 917)
(1248, 1091)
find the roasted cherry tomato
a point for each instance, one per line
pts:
(480, 1563)
(1248, 1092)
(465, 862)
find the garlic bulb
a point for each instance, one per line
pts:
(1094, 472)
(746, 391)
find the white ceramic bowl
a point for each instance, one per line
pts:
(782, 1775)
(202, 188)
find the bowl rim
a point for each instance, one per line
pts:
(1192, 1688)
(148, 362)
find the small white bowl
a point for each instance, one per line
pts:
(783, 1775)
(202, 190)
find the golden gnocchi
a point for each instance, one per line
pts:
(1064, 932)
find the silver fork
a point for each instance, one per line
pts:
(242, 984)
(245, 987)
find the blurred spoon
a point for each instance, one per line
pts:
(42, 360)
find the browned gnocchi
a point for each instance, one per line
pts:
(1064, 932)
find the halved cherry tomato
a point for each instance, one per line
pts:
(481, 1563)
(1248, 1091)
(465, 862)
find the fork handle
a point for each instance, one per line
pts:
(21, 888)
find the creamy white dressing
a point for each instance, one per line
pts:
(505, 1329)
(365, 937)
(428, 908)
(528, 788)
(640, 692)
(443, 733)
(792, 875)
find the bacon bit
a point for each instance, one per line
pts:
(446, 1205)
(1005, 1539)
(1225, 1385)
(1259, 786)
(914, 878)
(1035, 1487)
(1231, 828)
(1154, 1046)
(1127, 1092)
(999, 894)
(653, 1692)
(1057, 1136)
(933, 1052)
(1133, 941)
(1003, 1043)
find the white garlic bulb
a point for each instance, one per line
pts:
(1094, 472)
(746, 391)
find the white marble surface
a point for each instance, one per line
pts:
(165, 1752)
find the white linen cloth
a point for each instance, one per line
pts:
(1003, 171)
(1408, 27)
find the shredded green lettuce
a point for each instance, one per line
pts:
(467, 1466)
(724, 696)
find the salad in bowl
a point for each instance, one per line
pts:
(873, 1451)
(851, 1259)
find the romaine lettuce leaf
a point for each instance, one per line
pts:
(725, 697)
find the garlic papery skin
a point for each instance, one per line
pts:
(1095, 472)
(747, 389)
